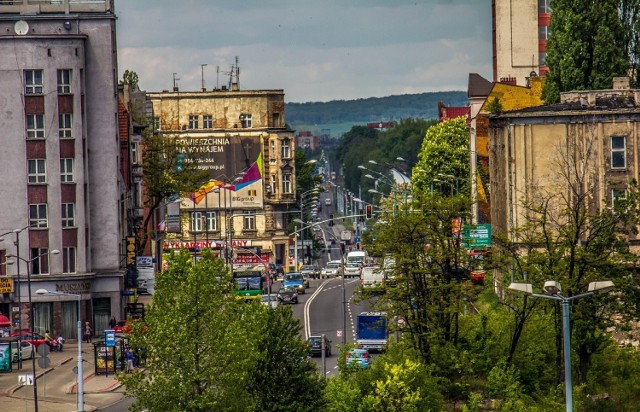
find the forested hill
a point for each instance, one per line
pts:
(339, 115)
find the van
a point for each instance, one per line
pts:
(357, 256)
(371, 276)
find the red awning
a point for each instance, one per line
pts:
(4, 321)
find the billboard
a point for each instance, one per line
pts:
(235, 168)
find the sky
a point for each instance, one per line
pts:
(315, 50)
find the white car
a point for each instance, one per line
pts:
(270, 300)
(333, 269)
(26, 351)
(371, 276)
(352, 270)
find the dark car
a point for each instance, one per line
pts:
(311, 271)
(315, 346)
(288, 294)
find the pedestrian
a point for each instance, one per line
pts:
(48, 339)
(130, 359)
(112, 322)
(88, 332)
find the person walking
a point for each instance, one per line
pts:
(112, 322)
(88, 332)
(130, 358)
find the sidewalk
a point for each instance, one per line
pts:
(56, 385)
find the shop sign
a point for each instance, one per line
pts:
(131, 250)
(144, 262)
(212, 244)
(252, 259)
(6, 285)
(78, 287)
(475, 236)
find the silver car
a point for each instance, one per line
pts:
(352, 270)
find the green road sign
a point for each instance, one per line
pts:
(475, 236)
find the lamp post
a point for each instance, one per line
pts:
(80, 376)
(553, 291)
(31, 317)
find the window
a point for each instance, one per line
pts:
(66, 170)
(68, 215)
(272, 156)
(156, 123)
(65, 125)
(286, 184)
(544, 32)
(245, 120)
(33, 82)
(64, 81)
(274, 183)
(39, 261)
(37, 170)
(618, 152)
(543, 6)
(135, 153)
(212, 221)
(207, 121)
(249, 220)
(542, 58)
(68, 260)
(618, 196)
(35, 126)
(196, 221)
(193, 122)
(286, 150)
(38, 215)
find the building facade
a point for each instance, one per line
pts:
(520, 34)
(240, 138)
(533, 150)
(59, 210)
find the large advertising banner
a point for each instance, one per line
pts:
(5, 357)
(235, 169)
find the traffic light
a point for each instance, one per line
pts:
(132, 276)
(342, 247)
(369, 211)
(331, 219)
(258, 251)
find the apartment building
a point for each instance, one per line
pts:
(239, 137)
(59, 207)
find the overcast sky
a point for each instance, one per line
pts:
(316, 50)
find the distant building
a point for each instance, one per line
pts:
(62, 184)
(452, 112)
(381, 125)
(520, 34)
(307, 140)
(242, 141)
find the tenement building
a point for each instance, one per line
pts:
(59, 206)
(239, 137)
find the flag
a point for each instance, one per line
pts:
(201, 193)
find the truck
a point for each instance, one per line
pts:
(372, 331)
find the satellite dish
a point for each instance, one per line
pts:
(21, 27)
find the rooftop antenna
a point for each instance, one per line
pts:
(175, 82)
(217, 77)
(202, 76)
(238, 72)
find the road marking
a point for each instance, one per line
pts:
(307, 304)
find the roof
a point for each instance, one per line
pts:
(478, 86)
(606, 104)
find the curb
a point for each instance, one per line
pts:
(10, 391)
(72, 388)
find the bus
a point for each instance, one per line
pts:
(249, 282)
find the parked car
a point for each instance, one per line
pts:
(288, 294)
(26, 351)
(359, 357)
(315, 346)
(333, 269)
(311, 270)
(32, 337)
(294, 280)
(122, 326)
(352, 270)
(270, 300)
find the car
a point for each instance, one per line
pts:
(288, 294)
(333, 269)
(270, 300)
(371, 276)
(352, 270)
(122, 326)
(26, 351)
(311, 270)
(32, 337)
(315, 346)
(294, 280)
(359, 357)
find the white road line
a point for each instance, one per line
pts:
(307, 304)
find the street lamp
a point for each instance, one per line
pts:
(31, 318)
(80, 377)
(553, 291)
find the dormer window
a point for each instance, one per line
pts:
(246, 121)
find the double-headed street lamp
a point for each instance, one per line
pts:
(28, 262)
(80, 375)
(553, 291)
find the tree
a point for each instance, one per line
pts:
(168, 173)
(130, 78)
(444, 152)
(587, 47)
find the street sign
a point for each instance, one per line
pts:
(25, 380)
(110, 337)
(357, 239)
(475, 236)
(44, 362)
(339, 333)
(43, 350)
(127, 292)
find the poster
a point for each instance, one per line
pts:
(5, 357)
